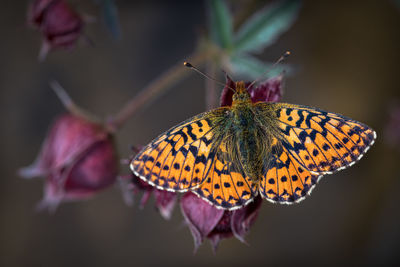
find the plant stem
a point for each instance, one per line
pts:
(154, 89)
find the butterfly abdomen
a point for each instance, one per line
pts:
(250, 147)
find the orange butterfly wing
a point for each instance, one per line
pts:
(285, 180)
(307, 144)
(225, 187)
(179, 159)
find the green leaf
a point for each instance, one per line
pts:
(245, 66)
(110, 16)
(220, 23)
(264, 27)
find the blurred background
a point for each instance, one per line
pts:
(346, 55)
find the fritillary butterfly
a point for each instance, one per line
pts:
(230, 154)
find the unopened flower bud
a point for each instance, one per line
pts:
(77, 159)
(206, 221)
(59, 24)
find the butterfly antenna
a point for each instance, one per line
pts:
(282, 58)
(190, 66)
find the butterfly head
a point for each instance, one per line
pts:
(241, 94)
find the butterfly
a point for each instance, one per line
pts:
(229, 155)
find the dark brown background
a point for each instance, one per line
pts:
(348, 58)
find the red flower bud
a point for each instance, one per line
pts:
(78, 159)
(267, 91)
(59, 24)
(227, 93)
(206, 221)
